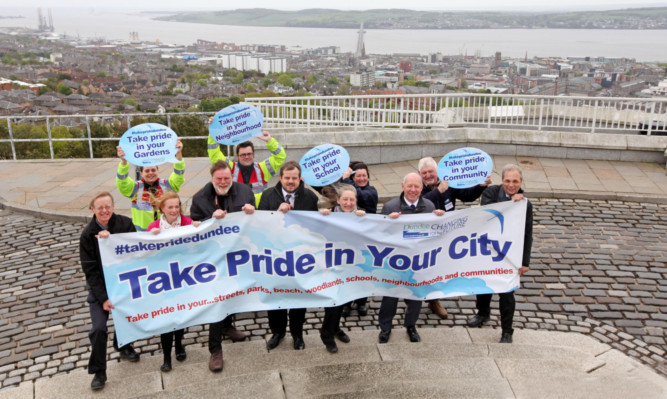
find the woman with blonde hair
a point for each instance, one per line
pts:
(346, 202)
(169, 205)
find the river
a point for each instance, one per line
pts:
(642, 45)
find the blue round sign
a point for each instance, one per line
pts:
(149, 144)
(324, 164)
(235, 124)
(465, 167)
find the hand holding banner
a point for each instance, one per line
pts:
(149, 144)
(324, 164)
(236, 124)
(465, 167)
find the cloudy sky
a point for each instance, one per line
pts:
(439, 5)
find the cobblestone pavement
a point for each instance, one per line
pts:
(599, 268)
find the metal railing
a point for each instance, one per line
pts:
(541, 113)
(584, 114)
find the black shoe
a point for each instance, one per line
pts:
(506, 338)
(477, 320)
(129, 354)
(274, 341)
(99, 380)
(383, 338)
(413, 334)
(181, 355)
(299, 344)
(342, 337)
(363, 310)
(166, 366)
(332, 347)
(346, 311)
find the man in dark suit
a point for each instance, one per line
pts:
(289, 194)
(409, 202)
(217, 198)
(510, 190)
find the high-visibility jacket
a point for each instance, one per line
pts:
(263, 171)
(143, 213)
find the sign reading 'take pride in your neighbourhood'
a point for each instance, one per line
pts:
(465, 167)
(149, 144)
(235, 124)
(324, 164)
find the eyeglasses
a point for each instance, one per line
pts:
(104, 208)
(247, 154)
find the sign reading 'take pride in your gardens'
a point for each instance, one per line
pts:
(149, 144)
(235, 124)
(324, 164)
(465, 167)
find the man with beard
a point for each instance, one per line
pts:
(254, 174)
(444, 197)
(216, 199)
(289, 194)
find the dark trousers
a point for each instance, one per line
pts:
(506, 305)
(98, 336)
(167, 339)
(388, 311)
(278, 321)
(215, 333)
(330, 323)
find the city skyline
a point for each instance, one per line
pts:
(431, 5)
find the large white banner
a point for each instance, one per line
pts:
(268, 260)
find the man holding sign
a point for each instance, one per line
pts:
(246, 170)
(510, 190)
(289, 194)
(143, 212)
(104, 222)
(409, 202)
(444, 197)
(215, 200)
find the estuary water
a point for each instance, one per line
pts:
(642, 45)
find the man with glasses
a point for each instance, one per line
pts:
(104, 223)
(246, 170)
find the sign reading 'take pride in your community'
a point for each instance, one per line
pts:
(235, 124)
(465, 167)
(149, 144)
(324, 164)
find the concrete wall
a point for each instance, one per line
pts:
(389, 145)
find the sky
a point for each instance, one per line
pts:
(434, 5)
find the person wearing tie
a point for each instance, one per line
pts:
(288, 194)
(409, 202)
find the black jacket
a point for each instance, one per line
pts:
(89, 252)
(452, 194)
(203, 202)
(304, 200)
(494, 194)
